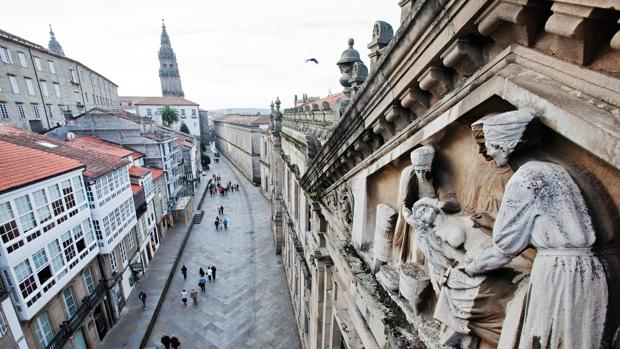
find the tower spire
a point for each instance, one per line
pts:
(168, 68)
(54, 45)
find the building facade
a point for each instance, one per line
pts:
(238, 137)
(387, 227)
(188, 111)
(40, 87)
(168, 67)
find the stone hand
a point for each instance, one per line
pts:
(483, 220)
(408, 215)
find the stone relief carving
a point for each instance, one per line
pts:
(520, 202)
(340, 202)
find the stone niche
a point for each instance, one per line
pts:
(457, 154)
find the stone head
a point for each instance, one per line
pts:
(503, 132)
(422, 161)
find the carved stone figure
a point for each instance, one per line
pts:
(384, 232)
(419, 181)
(543, 207)
(485, 188)
(345, 205)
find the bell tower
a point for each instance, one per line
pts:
(168, 67)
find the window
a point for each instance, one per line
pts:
(67, 246)
(57, 89)
(20, 110)
(149, 112)
(50, 113)
(73, 75)
(8, 224)
(3, 111)
(24, 209)
(44, 88)
(29, 86)
(88, 232)
(57, 204)
(35, 109)
(113, 264)
(4, 326)
(22, 59)
(194, 112)
(37, 63)
(67, 191)
(62, 109)
(123, 251)
(5, 55)
(52, 68)
(89, 280)
(14, 86)
(76, 95)
(43, 330)
(70, 305)
(25, 278)
(57, 261)
(132, 239)
(182, 112)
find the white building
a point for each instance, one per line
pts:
(149, 107)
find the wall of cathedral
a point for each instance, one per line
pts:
(394, 248)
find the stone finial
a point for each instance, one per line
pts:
(53, 44)
(348, 58)
(358, 75)
(272, 106)
(382, 34)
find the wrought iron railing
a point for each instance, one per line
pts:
(68, 328)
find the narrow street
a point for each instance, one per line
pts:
(248, 305)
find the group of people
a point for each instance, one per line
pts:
(209, 275)
(170, 342)
(216, 187)
(220, 219)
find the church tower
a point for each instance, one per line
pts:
(54, 45)
(168, 68)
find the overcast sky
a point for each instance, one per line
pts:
(240, 53)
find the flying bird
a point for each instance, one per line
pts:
(312, 60)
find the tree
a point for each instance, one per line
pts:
(206, 160)
(184, 128)
(169, 115)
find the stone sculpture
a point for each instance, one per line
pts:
(384, 232)
(345, 205)
(543, 207)
(419, 181)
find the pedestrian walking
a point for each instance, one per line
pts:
(222, 209)
(165, 340)
(202, 282)
(184, 297)
(184, 272)
(174, 342)
(201, 272)
(217, 223)
(194, 295)
(209, 273)
(142, 297)
(213, 270)
(225, 221)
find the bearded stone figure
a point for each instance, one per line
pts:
(543, 207)
(418, 181)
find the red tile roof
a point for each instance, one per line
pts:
(91, 143)
(136, 155)
(136, 171)
(156, 173)
(97, 163)
(184, 142)
(20, 166)
(164, 101)
(331, 99)
(136, 188)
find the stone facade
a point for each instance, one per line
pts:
(238, 137)
(39, 88)
(474, 118)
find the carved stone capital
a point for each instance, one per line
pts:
(436, 80)
(398, 116)
(464, 56)
(416, 100)
(383, 128)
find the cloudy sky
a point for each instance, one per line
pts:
(240, 53)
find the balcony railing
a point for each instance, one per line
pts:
(68, 328)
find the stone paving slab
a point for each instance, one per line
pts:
(248, 305)
(134, 322)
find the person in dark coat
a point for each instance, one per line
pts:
(184, 272)
(201, 272)
(174, 342)
(142, 297)
(213, 271)
(165, 340)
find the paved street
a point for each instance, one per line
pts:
(248, 306)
